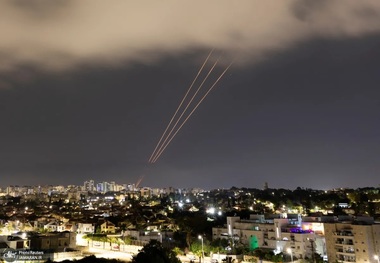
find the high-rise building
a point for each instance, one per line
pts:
(89, 185)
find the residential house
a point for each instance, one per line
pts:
(14, 242)
(85, 228)
(52, 226)
(107, 227)
(68, 226)
(58, 241)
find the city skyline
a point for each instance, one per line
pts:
(87, 91)
(112, 186)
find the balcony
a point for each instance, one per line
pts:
(346, 233)
(344, 241)
(342, 258)
(345, 252)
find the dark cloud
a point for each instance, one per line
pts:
(40, 9)
(305, 10)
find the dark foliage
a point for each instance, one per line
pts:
(154, 252)
(91, 259)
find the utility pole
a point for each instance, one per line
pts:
(203, 253)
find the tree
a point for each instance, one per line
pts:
(177, 251)
(154, 252)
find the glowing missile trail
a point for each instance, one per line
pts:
(196, 106)
(184, 110)
(180, 105)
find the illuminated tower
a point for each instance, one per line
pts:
(89, 185)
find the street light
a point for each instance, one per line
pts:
(377, 258)
(203, 253)
(290, 251)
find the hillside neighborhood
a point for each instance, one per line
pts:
(237, 224)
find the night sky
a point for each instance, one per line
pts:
(88, 87)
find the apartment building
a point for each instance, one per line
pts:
(338, 239)
(277, 233)
(357, 241)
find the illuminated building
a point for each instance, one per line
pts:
(356, 241)
(274, 233)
